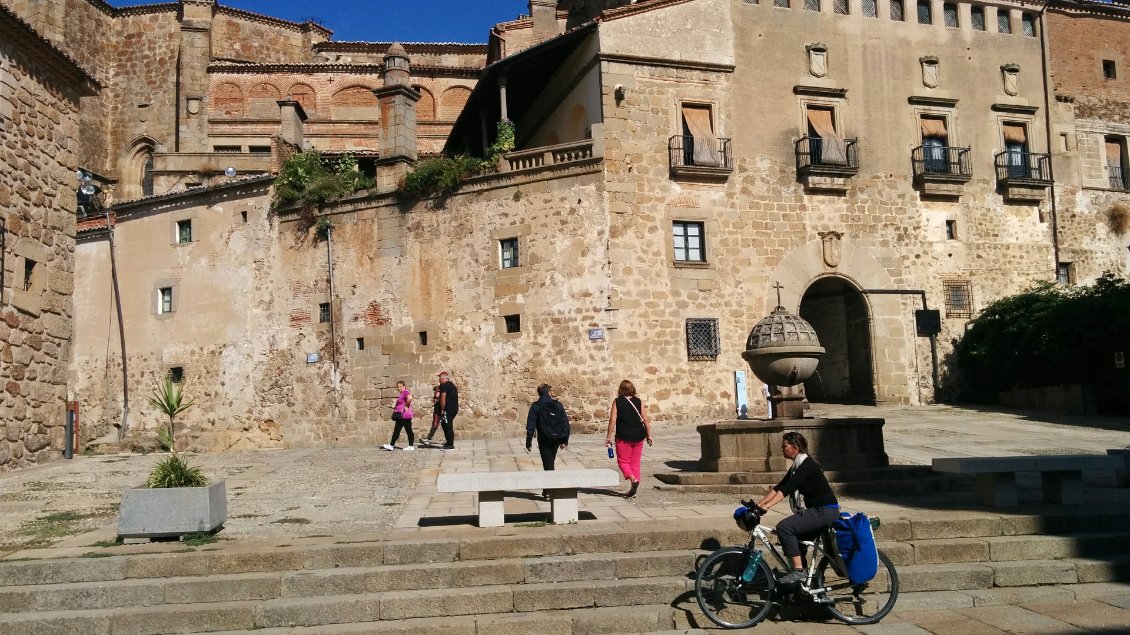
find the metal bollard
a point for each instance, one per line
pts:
(69, 442)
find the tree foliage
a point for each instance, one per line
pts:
(1046, 336)
(309, 178)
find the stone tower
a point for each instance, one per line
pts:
(192, 70)
(397, 101)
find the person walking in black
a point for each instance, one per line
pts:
(448, 408)
(548, 421)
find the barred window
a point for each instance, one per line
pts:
(784, 4)
(812, 5)
(688, 241)
(1064, 273)
(702, 339)
(840, 6)
(1028, 24)
(959, 298)
(870, 8)
(977, 18)
(949, 14)
(176, 374)
(924, 12)
(897, 11)
(324, 312)
(1003, 25)
(227, 149)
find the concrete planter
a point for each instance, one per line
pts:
(174, 511)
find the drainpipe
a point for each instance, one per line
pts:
(333, 322)
(121, 330)
(1044, 66)
(933, 336)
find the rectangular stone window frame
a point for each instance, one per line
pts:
(958, 297)
(29, 276)
(1004, 21)
(898, 10)
(688, 242)
(924, 11)
(699, 120)
(325, 313)
(183, 233)
(175, 373)
(841, 7)
(509, 253)
(977, 17)
(1028, 24)
(1065, 273)
(949, 15)
(521, 235)
(834, 105)
(811, 5)
(1110, 69)
(703, 341)
(508, 324)
(870, 8)
(1116, 161)
(946, 115)
(951, 229)
(165, 298)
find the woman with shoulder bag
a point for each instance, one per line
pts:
(402, 418)
(628, 424)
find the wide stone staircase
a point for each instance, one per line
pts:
(586, 578)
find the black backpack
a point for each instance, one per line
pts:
(552, 421)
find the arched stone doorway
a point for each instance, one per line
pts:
(841, 317)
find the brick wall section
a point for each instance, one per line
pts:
(38, 132)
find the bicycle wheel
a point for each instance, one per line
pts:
(865, 603)
(724, 598)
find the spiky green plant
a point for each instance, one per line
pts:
(174, 471)
(168, 397)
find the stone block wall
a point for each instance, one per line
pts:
(38, 148)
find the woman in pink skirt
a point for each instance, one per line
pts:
(628, 424)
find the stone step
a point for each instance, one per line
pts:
(1006, 548)
(893, 472)
(635, 600)
(878, 487)
(345, 581)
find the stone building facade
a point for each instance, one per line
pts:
(40, 91)
(682, 167)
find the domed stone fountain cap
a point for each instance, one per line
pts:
(783, 349)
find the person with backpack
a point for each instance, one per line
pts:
(820, 507)
(628, 423)
(547, 420)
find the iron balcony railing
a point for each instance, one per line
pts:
(681, 149)
(1029, 166)
(941, 161)
(1117, 176)
(810, 155)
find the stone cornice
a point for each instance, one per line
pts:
(410, 47)
(266, 19)
(640, 60)
(1016, 109)
(245, 69)
(143, 9)
(936, 102)
(820, 91)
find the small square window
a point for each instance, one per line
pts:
(688, 241)
(423, 338)
(840, 7)
(184, 231)
(977, 18)
(702, 339)
(243, 216)
(870, 8)
(949, 15)
(812, 5)
(1064, 273)
(1028, 24)
(951, 230)
(924, 12)
(165, 300)
(1003, 24)
(508, 249)
(959, 298)
(1109, 70)
(29, 273)
(176, 374)
(513, 323)
(897, 11)
(324, 312)
(360, 343)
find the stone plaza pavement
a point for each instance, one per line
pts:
(67, 507)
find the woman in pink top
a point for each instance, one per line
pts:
(403, 408)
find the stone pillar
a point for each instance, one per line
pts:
(291, 117)
(397, 101)
(544, 15)
(192, 71)
(502, 98)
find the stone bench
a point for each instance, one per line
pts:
(1061, 476)
(492, 487)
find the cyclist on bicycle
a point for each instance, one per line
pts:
(819, 510)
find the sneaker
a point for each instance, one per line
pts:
(388, 447)
(448, 448)
(632, 490)
(410, 448)
(795, 576)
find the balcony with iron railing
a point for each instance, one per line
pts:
(1023, 175)
(819, 165)
(701, 162)
(941, 170)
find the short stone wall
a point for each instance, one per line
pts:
(1072, 399)
(755, 446)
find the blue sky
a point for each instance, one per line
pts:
(388, 20)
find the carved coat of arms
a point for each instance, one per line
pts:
(831, 243)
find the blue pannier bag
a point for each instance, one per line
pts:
(856, 543)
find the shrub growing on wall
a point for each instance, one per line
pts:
(1046, 336)
(309, 178)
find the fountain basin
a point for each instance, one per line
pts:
(755, 446)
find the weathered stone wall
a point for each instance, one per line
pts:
(38, 132)
(238, 35)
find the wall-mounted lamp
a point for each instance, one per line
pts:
(229, 172)
(619, 92)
